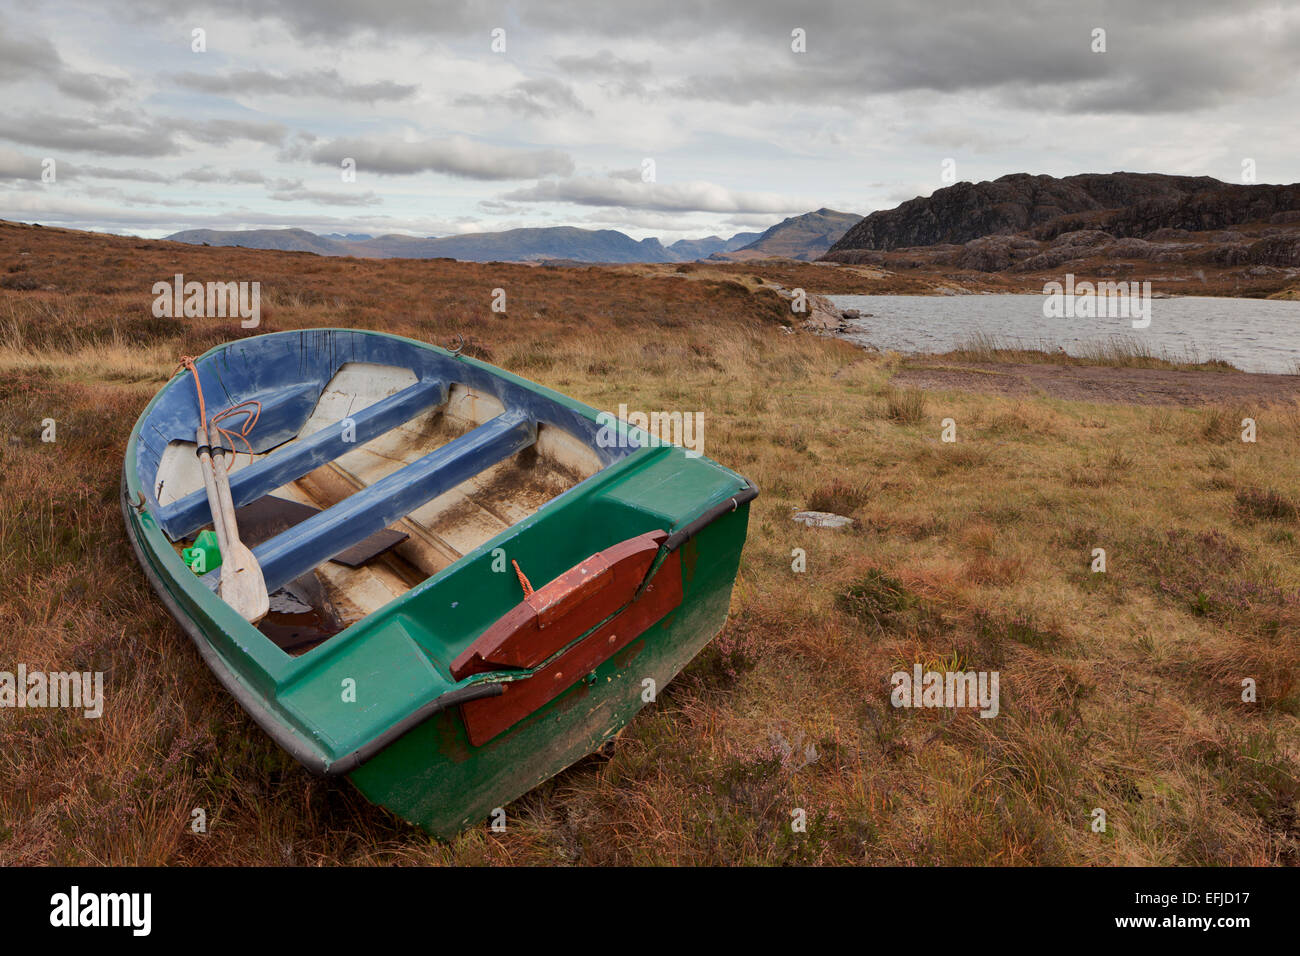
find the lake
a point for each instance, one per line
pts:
(1255, 335)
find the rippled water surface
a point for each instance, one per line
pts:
(1253, 334)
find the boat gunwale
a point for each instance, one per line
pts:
(283, 668)
(265, 659)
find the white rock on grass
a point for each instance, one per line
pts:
(822, 519)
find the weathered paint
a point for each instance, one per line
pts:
(400, 656)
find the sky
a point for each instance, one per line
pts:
(664, 118)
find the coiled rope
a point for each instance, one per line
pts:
(251, 410)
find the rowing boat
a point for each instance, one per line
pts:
(473, 581)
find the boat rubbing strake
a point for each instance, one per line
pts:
(468, 590)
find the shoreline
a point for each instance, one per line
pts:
(831, 315)
(1117, 384)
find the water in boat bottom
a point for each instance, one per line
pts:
(299, 617)
(1255, 335)
(297, 632)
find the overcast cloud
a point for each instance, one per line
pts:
(448, 132)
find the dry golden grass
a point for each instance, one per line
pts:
(1115, 352)
(1119, 691)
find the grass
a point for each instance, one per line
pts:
(1267, 504)
(1120, 690)
(1116, 351)
(840, 496)
(905, 405)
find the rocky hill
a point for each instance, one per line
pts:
(523, 245)
(1031, 223)
(799, 237)
(1013, 203)
(283, 240)
(687, 250)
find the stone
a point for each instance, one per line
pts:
(822, 519)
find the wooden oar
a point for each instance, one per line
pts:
(210, 486)
(242, 585)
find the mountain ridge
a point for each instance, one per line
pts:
(510, 245)
(804, 237)
(1041, 207)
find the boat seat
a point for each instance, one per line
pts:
(305, 546)
(183, 517)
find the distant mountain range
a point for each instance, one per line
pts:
(800, 237)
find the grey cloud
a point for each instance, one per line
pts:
(22, 58)
(26, 167)
(610, 191)
(15, 165)
(457, 156)
(292, 190)
(325, 83)
(206, 174)
(1032, 53)
(29, 205)
(603, 63)
(219, 132)
(130, 198)
(1160, 57)
(540, 97)
(966, 138)
(121, 133)
(111, 172)
(339, 18)
(74, 133)
(626, 77)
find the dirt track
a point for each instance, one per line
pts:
(1139, 386)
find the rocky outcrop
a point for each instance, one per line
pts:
(820, 315)
(1085, 211)
(1219, 207)
(994, 253)
(1276, 251)
(1010, 204)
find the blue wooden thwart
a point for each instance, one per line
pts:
(182, 518)
(305, 546)
(288, 372)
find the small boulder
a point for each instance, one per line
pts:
(822, 519)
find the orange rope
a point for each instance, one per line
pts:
(251, 410)
(187, 361)
(523, 580)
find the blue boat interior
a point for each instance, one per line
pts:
(373, 432)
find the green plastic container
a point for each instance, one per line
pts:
(205, 556)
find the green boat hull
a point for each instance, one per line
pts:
(435, 777)
(384, 702)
